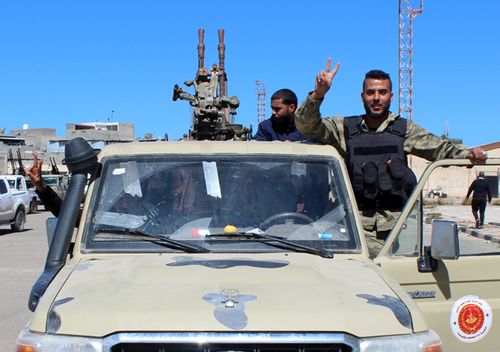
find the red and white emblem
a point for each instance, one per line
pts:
(470, 319)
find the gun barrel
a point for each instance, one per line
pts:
(201, 48)
(222, 53)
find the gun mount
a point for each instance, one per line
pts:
(16, 170)
(54, 170)
(213, 110)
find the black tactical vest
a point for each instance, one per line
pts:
(377, 185)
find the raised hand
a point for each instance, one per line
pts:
(324, 80)
(34, 172)
(477, 155)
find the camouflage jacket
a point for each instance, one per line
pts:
(418, 142)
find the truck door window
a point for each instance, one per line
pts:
(408, 239)
(450, 204)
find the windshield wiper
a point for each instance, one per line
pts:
(259, 234)
(189, 248)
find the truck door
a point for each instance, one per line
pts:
(460, 297)
(5, 201)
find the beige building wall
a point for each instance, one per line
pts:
(106, 131)
(36, 138)
(455, 181)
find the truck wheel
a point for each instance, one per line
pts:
(33, 206)
(19, 220)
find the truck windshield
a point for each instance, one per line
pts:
(193, 199)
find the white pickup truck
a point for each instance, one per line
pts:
(14, 201)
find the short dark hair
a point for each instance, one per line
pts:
(377, 74)
(285, 94)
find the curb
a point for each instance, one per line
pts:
(484, 236)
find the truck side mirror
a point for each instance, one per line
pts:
(444, 242)
(444, 245)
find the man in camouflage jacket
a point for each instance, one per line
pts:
(376, 96)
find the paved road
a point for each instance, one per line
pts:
(22, 257)
(462, 214)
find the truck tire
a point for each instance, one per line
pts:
(19, 220)
(33, 206)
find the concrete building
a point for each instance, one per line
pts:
(455, 181)
(36, 138)
(45, 143)
(105, 131)
(97, 134)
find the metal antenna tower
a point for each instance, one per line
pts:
(261, 101)
(406, 15)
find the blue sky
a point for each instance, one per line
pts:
(76, 61)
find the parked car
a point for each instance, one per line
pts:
(20, 188)
(13, 205)
(34, 199)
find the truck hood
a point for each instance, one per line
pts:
(272, 293)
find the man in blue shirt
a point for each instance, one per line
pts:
(281, 125)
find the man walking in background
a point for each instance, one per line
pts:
(481, 192)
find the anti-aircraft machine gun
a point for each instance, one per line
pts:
(213, 110)
(54, 170)
(16, 170)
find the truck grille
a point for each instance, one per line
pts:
(146, 347)
(230, 342)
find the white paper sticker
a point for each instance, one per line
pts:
(212, 179)
(130, 178)
(470, 319)
(119, 171)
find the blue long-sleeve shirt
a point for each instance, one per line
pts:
(268, 131)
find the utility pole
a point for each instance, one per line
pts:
(261, 101)
(406, 15)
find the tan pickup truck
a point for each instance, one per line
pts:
(250, 246)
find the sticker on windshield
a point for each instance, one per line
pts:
(119, 171)
(470, 319)
(212, 179)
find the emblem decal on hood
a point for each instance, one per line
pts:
(230, 308)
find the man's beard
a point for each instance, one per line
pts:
(281, 122)
(376, 115)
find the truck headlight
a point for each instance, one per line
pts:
(32, 342)
(422, 342)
